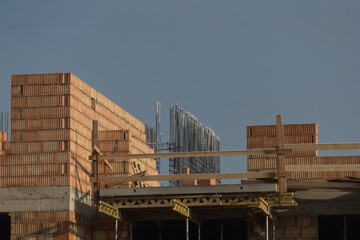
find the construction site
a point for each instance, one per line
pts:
(76, 166)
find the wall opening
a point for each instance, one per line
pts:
(5, 230)
(331, 227)
(211, 229)
(341, 227)
(352, 227)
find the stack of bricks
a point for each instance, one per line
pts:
(4, 144)
(105, 229)
(264, 137)
(51, 138)
(122, 142)
(62, 225)
(297, 227)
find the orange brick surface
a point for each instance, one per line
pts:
(51, 139)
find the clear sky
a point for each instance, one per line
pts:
(230, 63)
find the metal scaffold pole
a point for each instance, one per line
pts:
(267, 228)
(116, 229)
(199, 231)
(187, 228)
(273, 227)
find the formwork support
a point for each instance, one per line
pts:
(187, 228)
(131, 232)
(160, 229)
(116, 229)
(282, 181)
(267, 228)
(222, 229)
(273, 229)
(199, 231)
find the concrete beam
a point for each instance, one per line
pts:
(184, 190)
(313, 203)
(56, 198)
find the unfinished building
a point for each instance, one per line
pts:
(73, 153)
(323, 213)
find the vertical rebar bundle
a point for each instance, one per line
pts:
(153, 135)
(188, 134)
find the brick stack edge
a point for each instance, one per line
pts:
(51, 134)
(260, 137)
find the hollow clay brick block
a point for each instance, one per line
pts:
(35, 79)
(114, 135)
(38, 113)
(188, 182)
(3, 136)
(207, 182)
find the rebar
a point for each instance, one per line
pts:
(187, 134)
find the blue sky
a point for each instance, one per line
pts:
(230, 63)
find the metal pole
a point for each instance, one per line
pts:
(199, 232)
(274, 235)
(187, 228)
(267, 228)
(131, 232)
(345, 232)
(160, 229)
(116, 229)
(222, 230)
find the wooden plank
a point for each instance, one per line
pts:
(280, 132)
(184, 177)
(96, 148)
(282, 182)
(323, 167)
(95, 133)
(111, 184)
(323, 146)
(191, 154)
(298, 186)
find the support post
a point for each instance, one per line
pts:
(94, 142)
(345, 232)
(131, 232)
(116, 229)
(222, 229)
(97, 177)
(273, 231)
(282, 181)
(160, 229)
(187, 228)
(267, 228)
(199, 231)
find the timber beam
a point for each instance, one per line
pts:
(183, 177)
(191, 154)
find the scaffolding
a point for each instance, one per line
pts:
(187, 134)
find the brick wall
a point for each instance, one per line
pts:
(53, 113)
(259, 137)
(297, 228)
(62, 225)
(51, 137)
